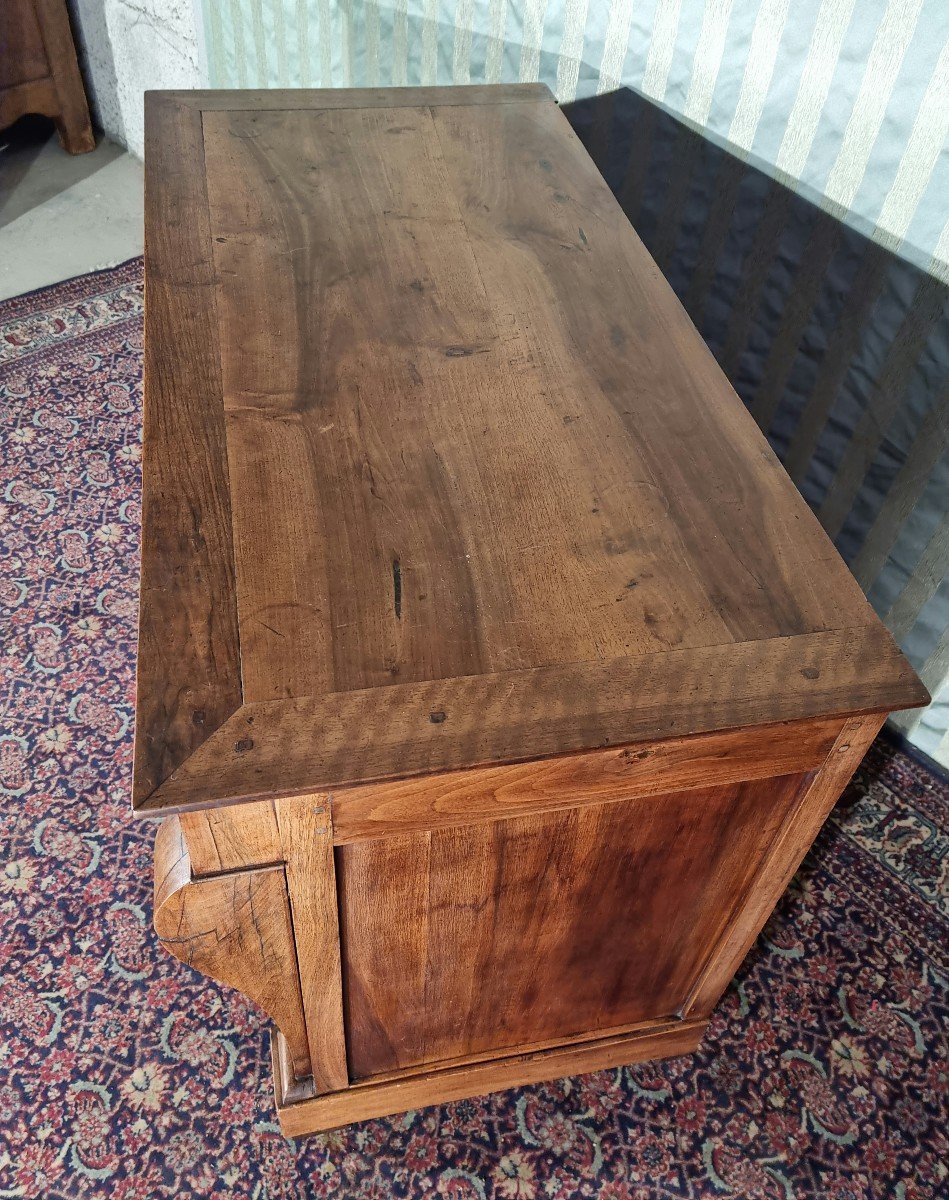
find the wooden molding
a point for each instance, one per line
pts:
(188, 555)
(242, 836)
(575, 780)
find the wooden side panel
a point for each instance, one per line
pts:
(236, 929)
(458, 941)
(782, 860)
(72, 117)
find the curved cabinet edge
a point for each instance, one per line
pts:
(235, 928)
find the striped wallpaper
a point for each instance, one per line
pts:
(825, 301)
(848, 99)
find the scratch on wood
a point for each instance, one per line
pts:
(397, 588)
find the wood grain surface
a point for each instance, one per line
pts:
(570, 781)
(232, 838)
(422, 416)
(465, 940)
(188, 654)
(73, 125)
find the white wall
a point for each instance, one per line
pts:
(129, 46)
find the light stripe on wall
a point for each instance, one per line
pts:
(928, 311)
(933, 673)
(708, 60)
(303, 44)
(615, 45)
(214, 43)
(882, 68)
(280, 46)
(497, 19)
(833, 20)
(843, 343)
(325, 43)
(346, 47)
(921, 585)
(400, 43)
(371, 18)
(904, 492)
(461, 49)
(260, 42)
(926, 142)
(661, 48)
(534, 13)
(571, 47)
(240, 56)
(941, 255)
(429, 43)
(759, 70)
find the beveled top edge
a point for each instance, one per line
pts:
(342, 739)
(264, 99)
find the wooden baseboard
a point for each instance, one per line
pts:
(367, 1100)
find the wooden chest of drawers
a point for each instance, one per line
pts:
(493, 677)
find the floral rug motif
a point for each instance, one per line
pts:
(123, 1074)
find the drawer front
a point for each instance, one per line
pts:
(467, 940)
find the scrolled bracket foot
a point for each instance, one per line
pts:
(236, 928)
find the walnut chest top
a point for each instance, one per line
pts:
(437, 470)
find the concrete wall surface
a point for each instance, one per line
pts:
(129, 46)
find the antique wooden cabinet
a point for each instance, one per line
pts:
(39, 72)
(493, 677)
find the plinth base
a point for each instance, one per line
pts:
(301, 1111)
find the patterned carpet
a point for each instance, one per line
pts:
(123, 1074)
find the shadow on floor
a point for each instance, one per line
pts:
(34, 167)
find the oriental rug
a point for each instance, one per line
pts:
(123, 1074)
